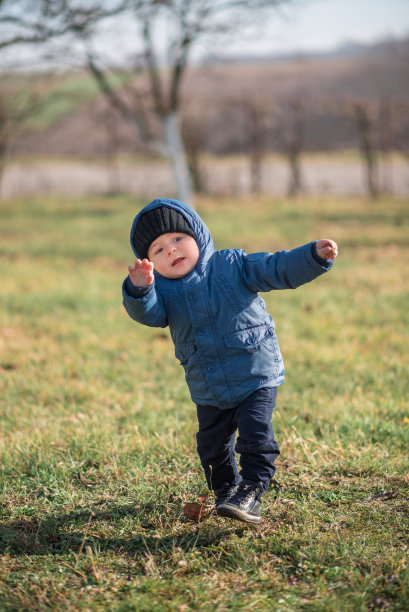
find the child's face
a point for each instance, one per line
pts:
(174, 254)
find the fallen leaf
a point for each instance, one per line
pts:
(196, 511)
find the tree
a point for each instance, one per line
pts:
(255, 124)
(290, 128)
(194, 126)
(365, 116)
(16, 108)
(191, 22)
(187, 23)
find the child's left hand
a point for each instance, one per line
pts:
(327, 249)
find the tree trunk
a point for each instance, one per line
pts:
(371, 173)
(386, 142)
(255, 171)
(178, 158)
(365, 125)
(295, 182)
(195, 171)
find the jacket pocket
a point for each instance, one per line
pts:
(249, 339)
(184, 351)
(252, 354)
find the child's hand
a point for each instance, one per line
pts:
(141, 273)
(327, 249)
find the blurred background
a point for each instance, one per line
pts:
(223, 97)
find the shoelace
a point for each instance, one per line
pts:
(245, 492)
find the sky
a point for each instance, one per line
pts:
(306, 26)
(301, 27)
(321, 25)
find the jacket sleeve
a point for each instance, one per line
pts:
(144, 305)
(282, 270)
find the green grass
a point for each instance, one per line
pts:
(97, 431)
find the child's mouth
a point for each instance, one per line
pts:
(177, 261)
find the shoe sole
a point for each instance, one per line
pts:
(235, 513)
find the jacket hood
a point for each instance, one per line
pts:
(200, 229)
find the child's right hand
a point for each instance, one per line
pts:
(141, 273)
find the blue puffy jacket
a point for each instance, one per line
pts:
(223, 336)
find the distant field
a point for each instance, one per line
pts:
(46, 99)
(97, 430)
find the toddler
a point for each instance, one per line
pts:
(223, 337)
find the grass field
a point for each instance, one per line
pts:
(97, 433)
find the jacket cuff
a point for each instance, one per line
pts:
(136, 292)
(326, 263)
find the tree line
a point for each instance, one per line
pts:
(171, 121)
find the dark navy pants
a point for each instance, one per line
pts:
(256, 444)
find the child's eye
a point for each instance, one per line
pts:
(157, 251)
(178, 238)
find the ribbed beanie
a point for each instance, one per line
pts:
(162, 220)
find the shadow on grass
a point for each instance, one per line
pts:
(70, 532)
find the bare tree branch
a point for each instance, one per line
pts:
(152, 67)
(115, 99)
(37, 21)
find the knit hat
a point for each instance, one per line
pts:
(161, 220)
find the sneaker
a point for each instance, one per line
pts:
(224, 493)
(245, 504)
